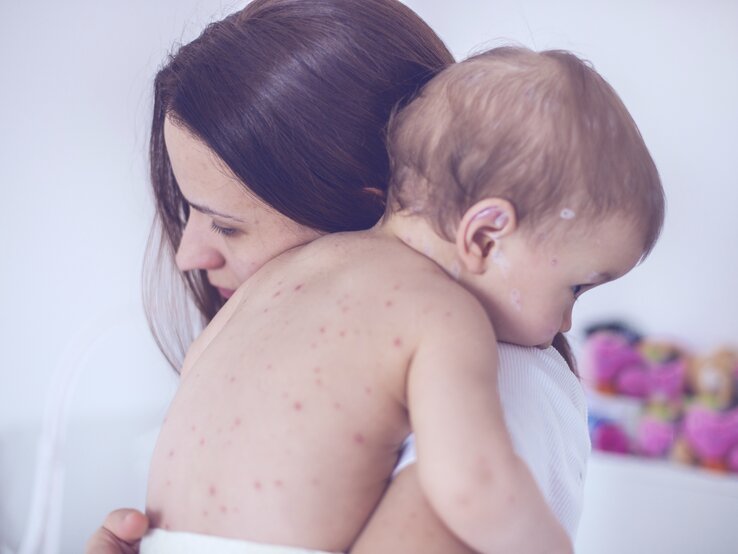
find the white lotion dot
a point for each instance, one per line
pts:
(516, 299)
(566, 213)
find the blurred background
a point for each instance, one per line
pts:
(75, 105)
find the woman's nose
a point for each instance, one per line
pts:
(197, 248)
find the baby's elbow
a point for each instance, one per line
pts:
(472, 504)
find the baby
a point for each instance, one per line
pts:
(519, 181)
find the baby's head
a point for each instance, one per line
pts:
(532, 166)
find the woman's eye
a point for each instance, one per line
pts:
(225, 231)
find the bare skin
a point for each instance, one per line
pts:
(403, 522)
(264, 395)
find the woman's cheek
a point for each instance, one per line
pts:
(245, 271)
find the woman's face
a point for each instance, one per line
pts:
(230, 233)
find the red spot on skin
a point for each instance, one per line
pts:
(205, 513)
(396, 287)
(278, 483)
(315, 482)
(319, 382)
(265, 310)
(234, 510)
(194, 427)
(367, 390)
(388, 303)
(269, 367)
(345, 309)
(223, 509)
(554, 262)
(228, 443)
(447, 314)
(342, 333)
(359, 438)
(397, 342)
(167, 526)
(297, 406)
(220, 429)
(171, 453)
(298, 287)
(202, 441)
(257, 485)
(211, 490)
(316, 370)
(232, 380)
(313, 345)
(322, 330)
(237, 421)
(277, 294)
(337, 405)
(168, 483)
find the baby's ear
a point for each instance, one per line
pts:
(480, 230)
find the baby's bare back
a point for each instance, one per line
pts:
(291, 409)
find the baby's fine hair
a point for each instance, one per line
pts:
(541, 130)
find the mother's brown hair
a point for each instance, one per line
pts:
(294, 96)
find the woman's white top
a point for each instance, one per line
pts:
(546, 416)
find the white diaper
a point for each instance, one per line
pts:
(159, 541)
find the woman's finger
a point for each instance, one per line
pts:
(120, 534)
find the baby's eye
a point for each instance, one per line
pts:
(225, 231)
(578, 289)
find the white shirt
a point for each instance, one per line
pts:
(546, 415)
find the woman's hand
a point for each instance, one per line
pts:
(120, 534)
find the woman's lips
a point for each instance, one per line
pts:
(225, 293)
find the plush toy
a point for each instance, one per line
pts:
(609, 352)
(713, 379)
(608, 436)
(621, 363)
(655, 436)
(712, 437)
(658, 427)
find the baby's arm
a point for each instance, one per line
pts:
(466, 464)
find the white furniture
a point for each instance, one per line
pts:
(639, 506)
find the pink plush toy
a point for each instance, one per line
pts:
(712, 437)
(655, 436)
(652, 380)
(609, 437)
(619, 365)
(609, 354)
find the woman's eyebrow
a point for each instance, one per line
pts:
(210, 211)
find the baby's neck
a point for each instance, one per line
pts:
(415, 232)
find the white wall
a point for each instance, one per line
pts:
(74, 107)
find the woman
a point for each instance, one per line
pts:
(294, 96)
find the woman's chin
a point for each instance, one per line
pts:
(225, 294)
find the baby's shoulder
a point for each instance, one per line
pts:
(386, 274)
